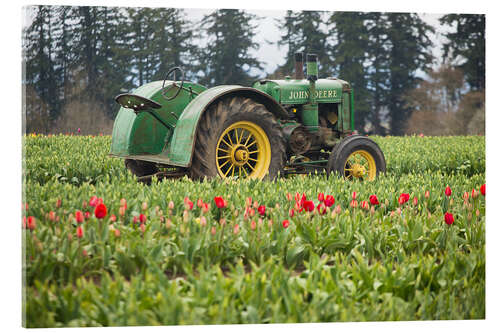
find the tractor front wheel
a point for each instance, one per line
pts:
(238, 138)
(357, 157)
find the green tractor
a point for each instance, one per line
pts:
(173, 128)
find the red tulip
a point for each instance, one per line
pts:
(123, 203)
(448, 218)
(121, 210)
(353, 195)
(365, 205)
(427, 194)
(291, 212)
(188, 204)
(117, 232)
(142, 218)
(213, 231)
(24, 222)
(79, 216)
(31, 223)
(253, 225)
(143, 227)
(483, 189)
(447, 191)
(289, 196)
(285, 223)
(321, 208)
(321, 197)
(354, 203)
(262, 210)
(403, 198)
(100, 211)
(374, 200)
(465, 196)
(79, 232)
(87, 215)
(474, 193)
(236, 229)
(415, 201)
(171, 205)
(58, 203)
(93, 201)
(309, 205)
(248, 201)
(329, 200)
(199, 203)
(219, 202)
(52, 215)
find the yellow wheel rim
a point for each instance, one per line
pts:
(360, 165)
(243, 150)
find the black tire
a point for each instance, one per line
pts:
(218, 118)
(141, 168)
(337, 162)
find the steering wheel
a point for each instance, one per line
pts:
(164, 91)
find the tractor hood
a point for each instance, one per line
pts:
(291, 91)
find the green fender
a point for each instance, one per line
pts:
(181, 147)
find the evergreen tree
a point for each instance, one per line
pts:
(466, 46)
(302, 33)
(350, 57)
(226, 58)
(378, 72)
(410, 43)
(39, 63)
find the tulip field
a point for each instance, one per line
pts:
(101, 249)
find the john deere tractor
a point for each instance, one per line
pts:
(173, 128)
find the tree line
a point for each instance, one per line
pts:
(76, 59)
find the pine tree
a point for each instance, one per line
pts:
(410, 43)
(466, 46)
(226, 58)
(350, 57)
(378, 73)
(39, 66)
(302, 32)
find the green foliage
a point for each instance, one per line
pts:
(466, 46)
(186, 267)
(226, 58)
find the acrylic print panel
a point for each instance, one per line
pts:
(361, 197)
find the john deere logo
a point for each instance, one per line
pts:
(302, 94)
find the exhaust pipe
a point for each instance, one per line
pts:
(299, 66)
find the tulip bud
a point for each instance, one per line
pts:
(251, 212)
(248, 201)
(291, 212)
(447, 191)
(415, 201)
(143, 227)
(213, 231)
(117, 233)
(58, 203)
(199, 203)
(478, 212)
(338, 209)
(79, 232)
(142, 218)
(465, 196)
(79, 216)
(123, 202)
(203, 221)
(52, 216)
(255, 204)
(253, 225)
(261, 222)
(205, 208)
(354, 196)
(168, 223)
(236, 229)
(270, 223)
(469, 216)
(474, 194)
(112, 218)
(354, 203)
(289, 196)
(31, 223)
(277, 206)
(321, 197)
(222, 221)
(185, 216)
(121, 211)
(171, 205)
(427, 194)
(285, 223)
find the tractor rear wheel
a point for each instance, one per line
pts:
(357, 157)
(238, 137)
(141, 168)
